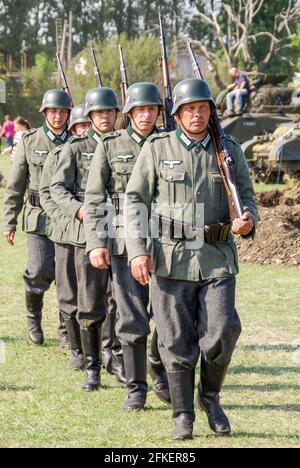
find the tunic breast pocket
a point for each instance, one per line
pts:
(217, 189)
(85, 161)
(37, 160)
(174, 186)
(123, 173)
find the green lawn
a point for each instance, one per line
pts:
(41, 403)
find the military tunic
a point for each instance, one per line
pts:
(193, 289)
(65, 273)
(110, 172)
(25, 178)
(68, 192)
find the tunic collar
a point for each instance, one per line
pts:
(57, 139)
(189, 144)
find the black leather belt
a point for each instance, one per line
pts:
(80, 196)
(178, 230)
(34, 198)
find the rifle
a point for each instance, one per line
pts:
(124, 83)
(96, 68)
(64, 79)
(225, 160)
(169, 121)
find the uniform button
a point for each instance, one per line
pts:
(170, 177)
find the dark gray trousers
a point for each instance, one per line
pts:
(66, 280)
(40, 272)
(132, 299)
(192, 317)
(109, 339)
(81, 288)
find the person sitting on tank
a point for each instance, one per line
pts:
(238, 91)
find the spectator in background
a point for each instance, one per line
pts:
(8, 131)
(21, 126)
(238, 91)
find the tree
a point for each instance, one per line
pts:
(236, 30)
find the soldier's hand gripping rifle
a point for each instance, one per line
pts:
(64, 79)
(96, 68)
(124, 83)
(168, 101)
(225, 160)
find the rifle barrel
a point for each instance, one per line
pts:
(64, 78)
(96, 68)
(168, 101)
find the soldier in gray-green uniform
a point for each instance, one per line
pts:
(193, 282)
(111, 169)
(25, 178)
(65, 272)
(68, 192)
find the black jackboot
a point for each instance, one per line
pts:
(158, 372)
(211, 381)
(76, 357)
(182, 386)
(34, 306)
(63, 336)
(136, 376)
(91, 340)
(117, 362)
(108, 330)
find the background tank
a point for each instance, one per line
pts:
(275, 157)
(268, 105)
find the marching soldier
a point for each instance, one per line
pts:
(193, 282)
(111, 169)
(25, 178)
(65, 273)
(68, 192)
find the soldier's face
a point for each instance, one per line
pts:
(195, 117)
(144, 118)
(81, 128)
(57, 118)
(103, 120)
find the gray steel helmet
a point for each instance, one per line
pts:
(100, 99)
(191, 90)
(77, 116)
(56, 99)
(142, 94)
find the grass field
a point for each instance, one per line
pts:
(41, 404)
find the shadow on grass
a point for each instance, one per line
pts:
(49, 343)
(14, 388)
(263, 388)
(285, 408)
(279, 347)
(264, 370)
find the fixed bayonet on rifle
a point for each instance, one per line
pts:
(225, 160)
(124, 83)
(96, 68)
(168, 101)
(64, 79)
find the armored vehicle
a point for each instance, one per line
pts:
(269, 104)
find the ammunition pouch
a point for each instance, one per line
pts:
(219, 232)
(177, 230)
(34, 198)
